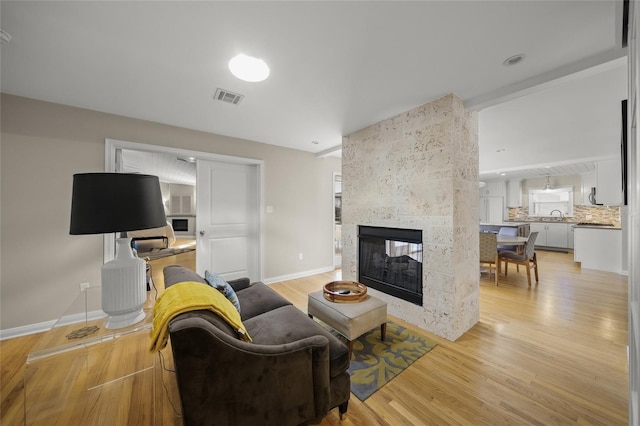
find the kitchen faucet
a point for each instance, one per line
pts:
(556, 210)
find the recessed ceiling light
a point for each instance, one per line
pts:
(515, 59)
(503, 174)
(248, 68)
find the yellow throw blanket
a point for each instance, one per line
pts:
(191, 296)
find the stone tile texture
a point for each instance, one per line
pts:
(419, 170)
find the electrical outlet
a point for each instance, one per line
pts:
(300, 256)
(83, 287)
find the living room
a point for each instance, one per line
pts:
(46, 140)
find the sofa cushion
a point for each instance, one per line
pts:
(258, 299)
(177, 274)
(223, 287)
(288, 324)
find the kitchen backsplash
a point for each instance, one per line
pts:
(599, 214)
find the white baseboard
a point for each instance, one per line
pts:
(25, 330)
(298, 275)
(76, 318)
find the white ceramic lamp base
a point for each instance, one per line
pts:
(124, 284)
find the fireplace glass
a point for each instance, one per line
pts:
(390, 260)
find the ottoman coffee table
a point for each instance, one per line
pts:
(351, 320)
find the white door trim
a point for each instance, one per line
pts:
(337, 260)
(112, 145)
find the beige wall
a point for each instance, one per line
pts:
(44, 144)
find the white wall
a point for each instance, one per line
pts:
(44, 144)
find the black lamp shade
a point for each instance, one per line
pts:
(115, 202)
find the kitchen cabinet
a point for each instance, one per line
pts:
(182, 199)
(491, 209)
(599, 249)
(588, 181)
(570, 235)
(609, 182)
(514, 193)
(551, 234)
(492, 189)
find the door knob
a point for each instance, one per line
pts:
(202, 233)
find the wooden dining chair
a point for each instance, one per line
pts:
(513, 232)
(489, 253)
(528, 258)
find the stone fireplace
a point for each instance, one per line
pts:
(419, 171)
(390, 260)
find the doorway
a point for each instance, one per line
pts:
(337, 220)
(254, 249)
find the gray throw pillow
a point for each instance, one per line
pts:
(216, 281)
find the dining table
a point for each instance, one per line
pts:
(510, 240)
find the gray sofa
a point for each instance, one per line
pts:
(293, 372)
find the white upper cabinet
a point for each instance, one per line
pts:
(588, 182)
(609, 182)
(514, 193)
(492, 189)
(182, 199)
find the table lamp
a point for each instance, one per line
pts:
(118, 202)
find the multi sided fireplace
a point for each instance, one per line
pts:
(390, 260)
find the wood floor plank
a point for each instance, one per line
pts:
(550, 354)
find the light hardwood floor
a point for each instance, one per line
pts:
(551, 354)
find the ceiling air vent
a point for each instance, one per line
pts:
(227, 96)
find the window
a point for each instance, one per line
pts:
(551, 202)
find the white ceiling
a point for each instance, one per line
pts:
(578, 119)
(336, 67)
(167, 167)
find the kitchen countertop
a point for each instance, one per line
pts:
(522, 222)
(505, 224)
(597, 227)
(573, 223)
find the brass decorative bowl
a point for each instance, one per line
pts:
(345, 292)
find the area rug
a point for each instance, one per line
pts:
(374, 362)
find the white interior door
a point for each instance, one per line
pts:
(227, 220)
